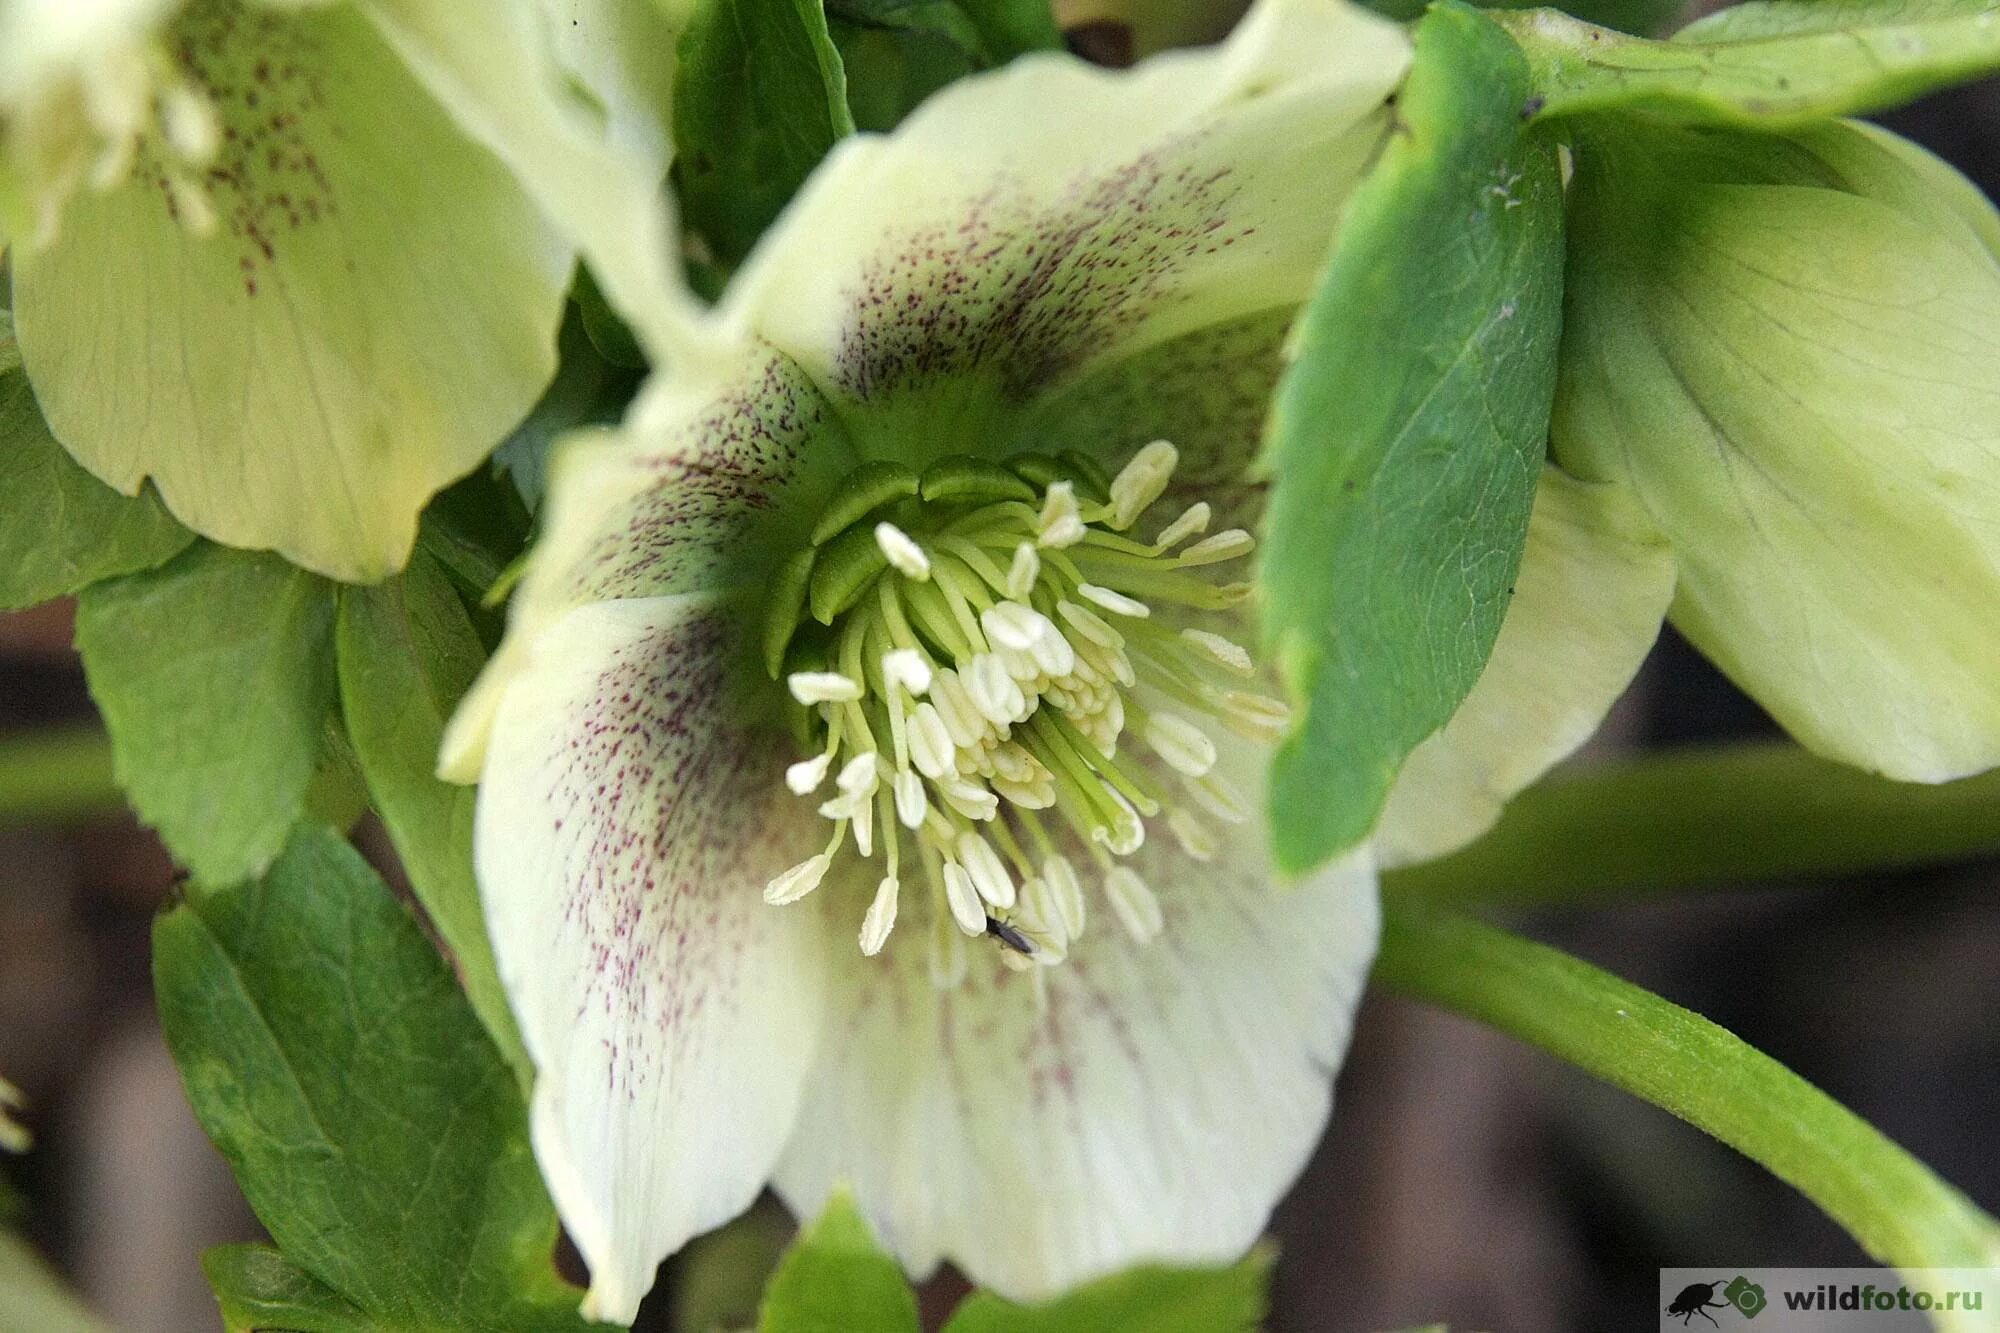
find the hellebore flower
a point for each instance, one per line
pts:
(1784, 348)
(358, 220)
(871, 778)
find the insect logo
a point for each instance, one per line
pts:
(1741, 1295)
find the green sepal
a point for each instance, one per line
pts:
(1408, 433)
(845, 567)
(1230, 1299)
(962, 477)
(860, 493)
(259, 1289)
(1769, 64)
(835, 1279)
(785, 605)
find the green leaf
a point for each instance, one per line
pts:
(328, 1053)
(740, 158)
(1706, 818)
(62, 529)
(1408, 432)
(898, 52)
(258, 1288)
(1645, 17)
(1770, 64)
(1892, 1204)
(214, 674)
(407, 654)
(1153, 1298)
(835, 1279)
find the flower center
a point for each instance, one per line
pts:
(986, 640)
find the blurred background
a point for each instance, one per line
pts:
(1466, 1180)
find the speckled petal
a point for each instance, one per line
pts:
(1023, 227)
(375, 308)
(1594, 586)
(626, 828)
(1156, 1109)
(713, 471)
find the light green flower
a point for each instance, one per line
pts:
(1784, 348)
(872, 774)
(302, 264)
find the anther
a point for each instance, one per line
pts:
(1133, 903)
(880, 918)
(1061, 522)
(904, 555)
(822, 687)
(963, 900)
(1140, 482)
(797, 882)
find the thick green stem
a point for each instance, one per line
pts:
(1705, 818)
(64, 774)
(1892, 1204)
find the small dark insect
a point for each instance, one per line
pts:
(1693, 1301)
(1009, 936)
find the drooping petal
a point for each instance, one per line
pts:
(627, 824)
(501, 71)
(375, 307)
(1784, 348)
(1593, 587)
(1155, 1109)
(711, 473)
(1024, 226)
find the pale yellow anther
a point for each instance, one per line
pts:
(904, 555)
(1222, 546)
(963, 899)
(860, 775)
(1140, 482)
(1025, 568)
(1197, 839)
(994, 691)
(880, 918)
(985, 869)
(931, 746)
(969, 799)
(1065, 893)
(822, 687)
(1223, 652)
(1258, 716)
(1133, 903)
(1186, 747)
(1061, 521)
(189, 123)
(906, 667)
(797, 882)
(806, 775)
(1115, 602)
(911, 803)
(1012, 625)
(1193, 519)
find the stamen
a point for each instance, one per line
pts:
(822, 687)
(904, 555)
(881, 917)
(985, 682)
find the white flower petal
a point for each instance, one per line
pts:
(626, 830)
(684, 496)
(1594, 584)
(1155, 1109)
(1024, 225)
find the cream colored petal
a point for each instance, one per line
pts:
(1594, 585)
(1155, 1109)
(626, 828)
(1025, 226)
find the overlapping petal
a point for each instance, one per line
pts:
(1155, 1108)
(1593, 588)
(1023, 227)
(627, 820)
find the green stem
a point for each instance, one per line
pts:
(59, 774)
(1892, 1204)
(1708, 817)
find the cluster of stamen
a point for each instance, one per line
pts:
(989, 646)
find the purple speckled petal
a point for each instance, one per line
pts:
(627, 824)
(1024, 227)
(714, 469)
(1157, 1108)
